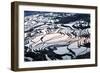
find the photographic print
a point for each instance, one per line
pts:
(52, 36)
(56, 36)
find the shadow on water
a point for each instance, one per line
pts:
(84, 56)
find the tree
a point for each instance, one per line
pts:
(81, 25)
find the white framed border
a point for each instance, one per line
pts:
(23, 64)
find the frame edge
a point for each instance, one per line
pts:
(14, 37)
